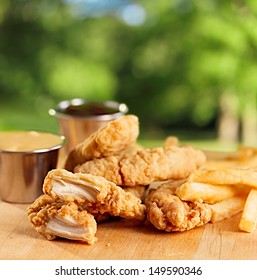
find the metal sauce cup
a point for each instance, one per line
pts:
(22, 173)
(78, 118)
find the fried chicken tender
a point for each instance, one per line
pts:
(116, 136)
(95, 193)
(169, 213)
(146, 166)
(138, 191)
(169, 186)
(53, 218)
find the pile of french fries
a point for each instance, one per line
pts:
(228, 185)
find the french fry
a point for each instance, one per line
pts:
(227, 176)
(219, 164)
(244, 157)
(227, 208)
(193, 191)
(248, 220)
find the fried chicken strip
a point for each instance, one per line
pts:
(169, 186)
(93, 192)
(52, 218)
(146, 166)
(138, 191)
(118, 135)
(169, 213)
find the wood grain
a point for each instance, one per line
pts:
(121, 240)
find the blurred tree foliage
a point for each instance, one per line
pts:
(187, 64)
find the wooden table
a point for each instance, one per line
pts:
(120, 240)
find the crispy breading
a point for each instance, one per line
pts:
(116, 136)
(138, 191)
(146, 166)
(169, 213)
(53, 218)
(98, 194)
(169, 186)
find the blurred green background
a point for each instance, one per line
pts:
(185, 67)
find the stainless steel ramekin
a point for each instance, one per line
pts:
(76, 128)
(22, 172)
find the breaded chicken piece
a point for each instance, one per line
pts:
(116, 136)
(169, 186)
(169, 213)
(146, 166)
(95, 193)
(52, 218)
(138, 191)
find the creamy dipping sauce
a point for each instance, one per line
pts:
(23, 141)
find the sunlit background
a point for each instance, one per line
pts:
(185, 67)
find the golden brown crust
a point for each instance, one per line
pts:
(138, 191)
(146, 166)
(117, 202)
(169, 213)
(39, 214)
(54, 218)
(116, 136)
(95, 193)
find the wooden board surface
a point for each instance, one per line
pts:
(120, 240)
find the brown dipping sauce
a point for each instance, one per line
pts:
(24, 141)
(89, 109)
